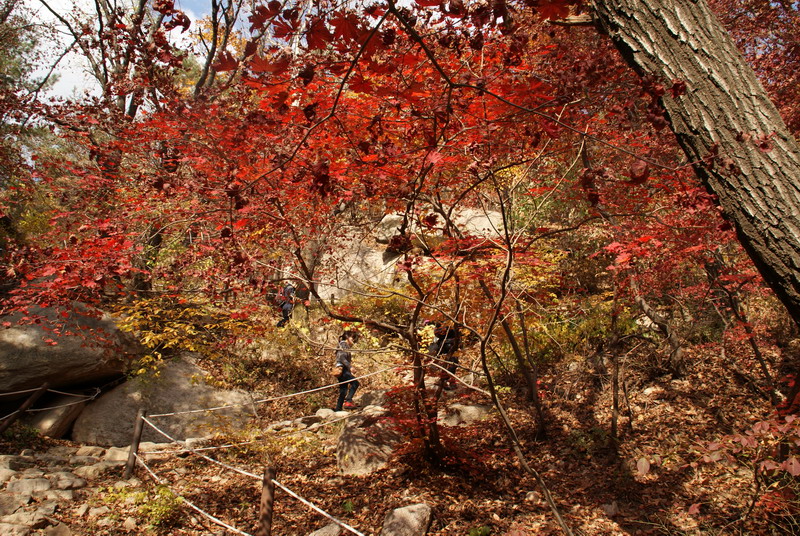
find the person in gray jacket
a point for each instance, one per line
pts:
(348, 384)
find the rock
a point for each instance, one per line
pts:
(457, 414)
(329, 530)
(195, 442)
(6, 475)
(407, 521)
(308, 420)
(8, 529)
(99, 511)
(58, 530)
(59, 495)
(82, 510)
(56, 422)
(67, 480)
(83, 460)
(129, 524)
(109, 420)
(34, 520)
(15, 463)
(117, 454)
(27, 360)
(93, 472)
(11, 502)
(373, 398)
(366, 443)
(27, 486)
(612, 509)
(90, 451)
(324, 413)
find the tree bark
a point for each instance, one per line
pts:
(726, 124)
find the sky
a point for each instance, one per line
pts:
(74, 79)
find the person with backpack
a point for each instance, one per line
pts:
(447, 339)
(285, 299)
(348, 384)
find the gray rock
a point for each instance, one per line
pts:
(90, 451)
(407, 521)
(457, 414)
(373, 398)
(196, 442)
(15, 463)
(6, 475)
(365, 444)
(58, 530)
(9, 529)
(11, 502)
(109, 420)
(60, 495)
(324, 413)
(67, 480)
(99, 511)
(27, 486)
(329, 530)
(27, 360)
(34, 519)
(308, 420)
(83, 460)
(93, 472)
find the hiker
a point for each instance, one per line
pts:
(285, 299)
(347, 382)
(444, 346)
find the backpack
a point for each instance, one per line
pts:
(286, 294)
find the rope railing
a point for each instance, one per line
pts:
(254, 476)
(275, 398)
(189, 503)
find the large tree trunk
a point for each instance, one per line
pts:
(721, 121)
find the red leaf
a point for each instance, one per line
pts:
(318, 35)
(694, 509)
(429, 3)
(262, 65)
(225, 62)
(792, 466)
(552, 9)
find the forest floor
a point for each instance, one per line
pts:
(656, 478)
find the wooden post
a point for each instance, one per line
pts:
(24, 407)
(267, 500)
(138, 427)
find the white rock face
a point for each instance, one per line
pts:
(109, 420)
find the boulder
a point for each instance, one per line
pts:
(328, 530)
(407, 521)
(27, 359)
(109, 420)
(457, 414)
(366, 442)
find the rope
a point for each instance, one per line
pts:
(273, 399)
(256, 477)
(90, 397)
(317, 509)
(181, 451)
(459, 380)
(190, 503)
(34, 410)
(11, 393)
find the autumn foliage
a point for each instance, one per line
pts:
(312, 125)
